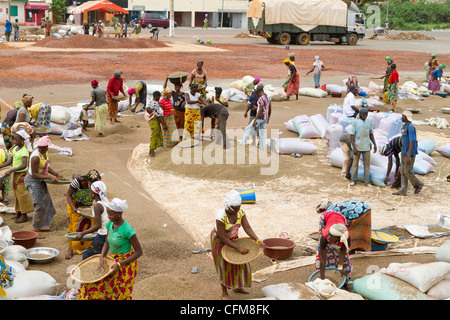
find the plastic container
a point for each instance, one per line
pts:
(328, 270)
(25, 238)
(278, 248)
(248, 195)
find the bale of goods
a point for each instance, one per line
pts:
(380, 286)
(444, 150)
(331, 109)
(289, 291)
(31, 283)
(377, 175)
(426, 146)
(443, 252)
(441, 290)
(422, 167)
(292, 145)
(303, 126)
(421, 276)
(312, 92)
(320, 123)
(60, 115)
(332, 135)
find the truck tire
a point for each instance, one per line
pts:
(284, 38)
(302, 38)
(352, 39)
(271, 40)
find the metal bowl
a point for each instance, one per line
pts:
(51, 252)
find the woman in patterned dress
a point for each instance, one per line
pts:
(170, 133)
(228, 222)
(125, 248)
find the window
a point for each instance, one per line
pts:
(14, 11)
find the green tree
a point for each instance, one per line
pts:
(59, 9)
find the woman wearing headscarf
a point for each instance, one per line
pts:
(154, 115)
(41, 114)
(39, 171)
(19, 166)
(23, 118)
(139, 89)
(317, 68)
(170, 133)
(115, 86)
(292, 83)
(5, 182)
(98, 98)
(228, 221)
(8, 122)
(358, 218)
(193, 117)
(198, 77)
(78, 195)
(431, 65)
(178, 102)
(393, 87)
(334, 241)
(125, 249)
(98, 194)
(433, 80)
(387, 74)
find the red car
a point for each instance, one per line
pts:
(152, 20)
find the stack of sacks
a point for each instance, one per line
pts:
(333, 108)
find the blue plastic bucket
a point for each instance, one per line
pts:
(317, 274)
(248, 195)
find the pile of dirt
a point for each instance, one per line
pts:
(90, 42)
(242, 35)
(410, 36)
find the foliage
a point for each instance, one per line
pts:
(414, 16)
(58, 8)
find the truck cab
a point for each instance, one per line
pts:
(356, 21)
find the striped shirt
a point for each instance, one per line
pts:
(264, 103)
(394, 146)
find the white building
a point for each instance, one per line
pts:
(191, 13)
(27, 12)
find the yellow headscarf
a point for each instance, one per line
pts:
(287, 60)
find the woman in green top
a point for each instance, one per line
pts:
(19, 166)
(125, 249)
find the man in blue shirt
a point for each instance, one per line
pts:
(409, 152)
(8, 27)
(362, 135)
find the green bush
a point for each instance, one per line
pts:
(415, 16)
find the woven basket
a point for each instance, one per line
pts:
(254, 251)
(75, 273)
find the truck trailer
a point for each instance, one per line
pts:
(287, 22)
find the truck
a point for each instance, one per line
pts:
(286, 22)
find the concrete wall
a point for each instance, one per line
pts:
(20, 11)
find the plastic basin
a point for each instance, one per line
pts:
(26, 239)
(278, 248)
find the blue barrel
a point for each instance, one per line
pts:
(248, 195)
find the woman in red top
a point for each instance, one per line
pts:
(393, 87)
(115, 86)
(170, 134)
(334, 242)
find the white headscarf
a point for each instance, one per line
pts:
(339, 230)
(233, 199)
(117, 205)
(323, 205)
(316, 58)
(26, 138)
(99, 188)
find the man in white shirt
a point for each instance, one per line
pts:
(349, 107)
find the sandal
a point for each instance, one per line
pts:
(417, 190)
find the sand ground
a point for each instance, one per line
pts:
(170, 223)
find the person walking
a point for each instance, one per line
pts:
(362, 134)
(16, 29)
(408, 156)
(8, 27)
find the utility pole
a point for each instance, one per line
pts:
(221, 18)
(9, 10)
(172, 19)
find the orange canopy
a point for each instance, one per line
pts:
(102, 5)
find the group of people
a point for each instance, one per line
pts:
(434, 72)
(9, 27)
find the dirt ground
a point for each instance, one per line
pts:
(62, 78)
